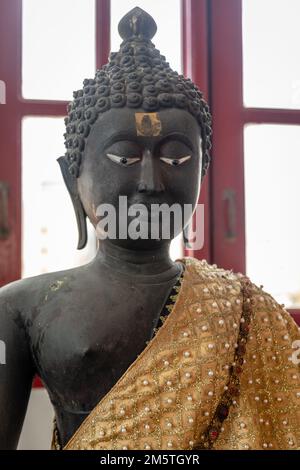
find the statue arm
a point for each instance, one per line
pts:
(16, 370)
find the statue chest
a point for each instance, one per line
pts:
(82, 348)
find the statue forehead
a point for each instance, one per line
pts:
(138, 123)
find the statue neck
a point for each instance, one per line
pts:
(141, 265)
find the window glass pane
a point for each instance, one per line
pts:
(271, 37)
(49, 237)
(272, 169)
(167, 15)
(58, 47)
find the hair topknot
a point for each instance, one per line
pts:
(137, 76)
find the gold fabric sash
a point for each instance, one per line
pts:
(195, 384)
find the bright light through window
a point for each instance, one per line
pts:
(58, 47)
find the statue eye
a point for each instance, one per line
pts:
(123, 161)
(175, 161)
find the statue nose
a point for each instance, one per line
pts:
(150, 180)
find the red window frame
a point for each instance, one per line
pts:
(229, 118)
(15, 109)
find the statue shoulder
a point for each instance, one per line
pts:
(23, 294)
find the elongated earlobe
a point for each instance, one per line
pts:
(71, 183)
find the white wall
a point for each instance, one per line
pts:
(37, 429)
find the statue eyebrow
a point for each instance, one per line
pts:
(178, 136)
(122, 135)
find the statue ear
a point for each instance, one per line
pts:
(71, 183)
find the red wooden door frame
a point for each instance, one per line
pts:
(15, 109)
(195, 58)
(229, 119)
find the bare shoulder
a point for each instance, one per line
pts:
(18, 298)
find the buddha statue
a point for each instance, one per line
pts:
(137, 351)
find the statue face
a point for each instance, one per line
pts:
(151, 158)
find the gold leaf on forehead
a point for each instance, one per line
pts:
(148, 124)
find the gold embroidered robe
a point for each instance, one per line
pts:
(221, 373)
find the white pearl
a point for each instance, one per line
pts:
(261, 420)
(294, 376)
(276, 381)
(191, 443)
(221, 322)
(274, 358)
(147, 447)
(261, 299)
(198, 310)
(187, 354)
(279, 399)
(256, 398)
(170, 444)
(265, 444)
(206, 413)
(169, 425)
(166, 363)
(243, 425)
(279, 317)
(225, 388)
(205, 290)
(214, 304)
(270, 444)
(210, 373)
(285, 337)
(204, 328)
(266, 320)
(238, 301)
(145, 382)
(266, 401)
(123, 429)
(210, 393)
(188, 375)
(210, 346)
(227, 346)
(254, 356)
(246, 446)
(190, 420)
(226, 366)
(234, 402)
(169, 383)
(147, 409)
(291, 442)
(185, 334)
(284, 422)
(122, 411)
(235, 325)
(298, 394)
(147, 426)
(190, 398)
(124, 448)
(169, 400)
(101, 433)
(242, 320)
(228, 304)
(267, 423)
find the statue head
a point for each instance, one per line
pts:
(138, 129)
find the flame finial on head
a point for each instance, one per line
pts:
(137, 24)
